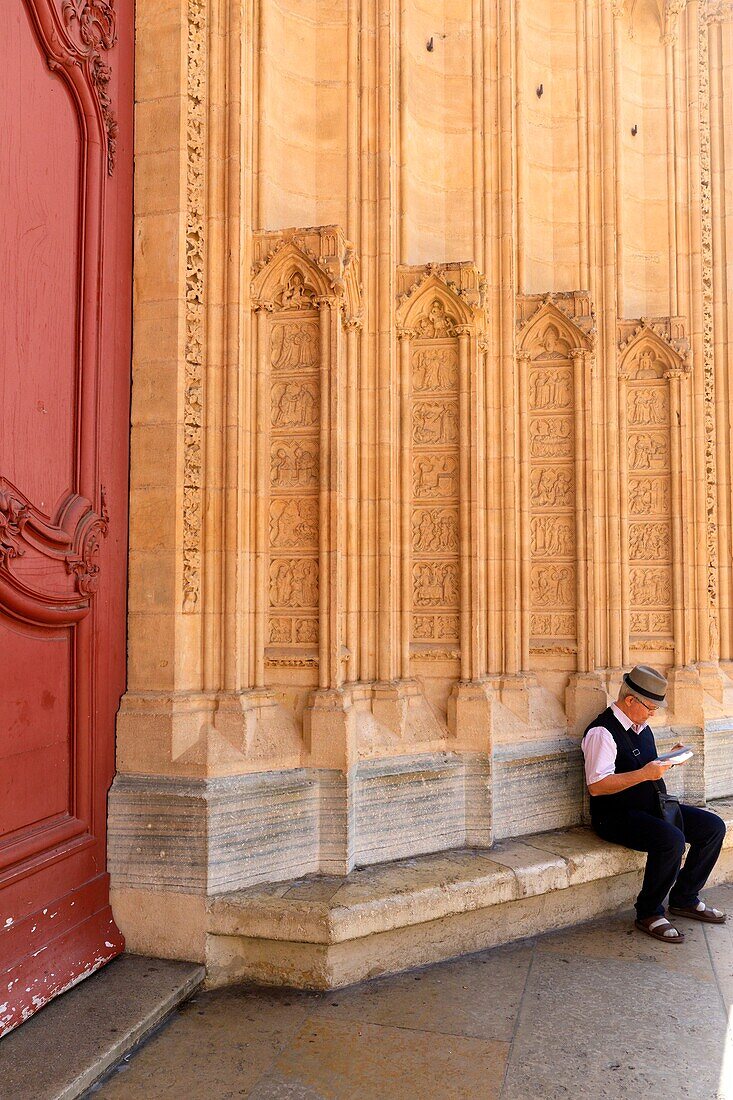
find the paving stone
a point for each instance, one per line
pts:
(476, 996)
(595, 1012)
(362, 1061)
(71, 1042)
(218, 1046)
(615, 1029)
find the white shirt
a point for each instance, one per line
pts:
(599, 747)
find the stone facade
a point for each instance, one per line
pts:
(431, 426)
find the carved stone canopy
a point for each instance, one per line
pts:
(436, 301)
(667, 12)
(295, 268)
(555, 326)
(651, 347)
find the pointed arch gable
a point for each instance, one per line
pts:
(320, 261)
(416, 305)
(547, 319)
(647, 354)
(277, 273)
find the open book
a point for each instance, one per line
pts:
(676, 756)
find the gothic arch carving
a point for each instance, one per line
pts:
(666, 13)
(654, 361)
(433, 307)
(549, 322)
(654, 345)
(440, 316)
(555, 343)
(294, 268)
(305, 292)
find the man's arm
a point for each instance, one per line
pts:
(621, 781)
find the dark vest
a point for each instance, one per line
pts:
(643, 796)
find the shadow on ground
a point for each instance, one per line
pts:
(597, 1011)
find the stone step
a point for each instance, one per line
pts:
(76, 1038)
(324, 931)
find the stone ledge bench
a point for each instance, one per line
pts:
(325, 932)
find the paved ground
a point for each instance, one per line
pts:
(598, 1011)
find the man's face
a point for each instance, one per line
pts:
(639, 712)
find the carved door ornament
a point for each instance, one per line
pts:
(31, 589)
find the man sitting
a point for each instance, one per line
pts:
(624, 779)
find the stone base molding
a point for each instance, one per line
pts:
(199, 835)
(325, 932)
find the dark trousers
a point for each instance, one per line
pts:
(703, 831)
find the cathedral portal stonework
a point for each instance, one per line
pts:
(431, 427)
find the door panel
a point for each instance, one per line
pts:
(38, 340)
(65, 186)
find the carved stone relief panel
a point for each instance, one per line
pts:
(434, 517)
(649, 501)
(293, 514)
(552, 541)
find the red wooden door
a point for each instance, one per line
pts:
(65, 258)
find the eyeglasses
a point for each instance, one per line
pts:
(651, 710)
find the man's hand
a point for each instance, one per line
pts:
(655, 769)
(621, 781)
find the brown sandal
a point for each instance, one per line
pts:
(706, 915)
(659, 928)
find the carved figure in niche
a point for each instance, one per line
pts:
(660, 622)
(649, 541)
(648, 496)
(447, 627)
(422, 627)
(294, 345)
(280, 631)
(435, 531)
(563, 626)
(296, 295)
(435, 584)
(294, 405)
(550, 389)
(306, 630)
(435, 476)
(554, 347)
(435, 422)
(638, 623)
(647, 406)
(434, 369)
(294, 583)
(540, 625)
(645, 365)
(293, 464)
(552, 536)
(551, 487)
(650, 587)
(552, 585)
(551, 437)
(437, 323)
(305, 583)
(294, 522)
(646, 451)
